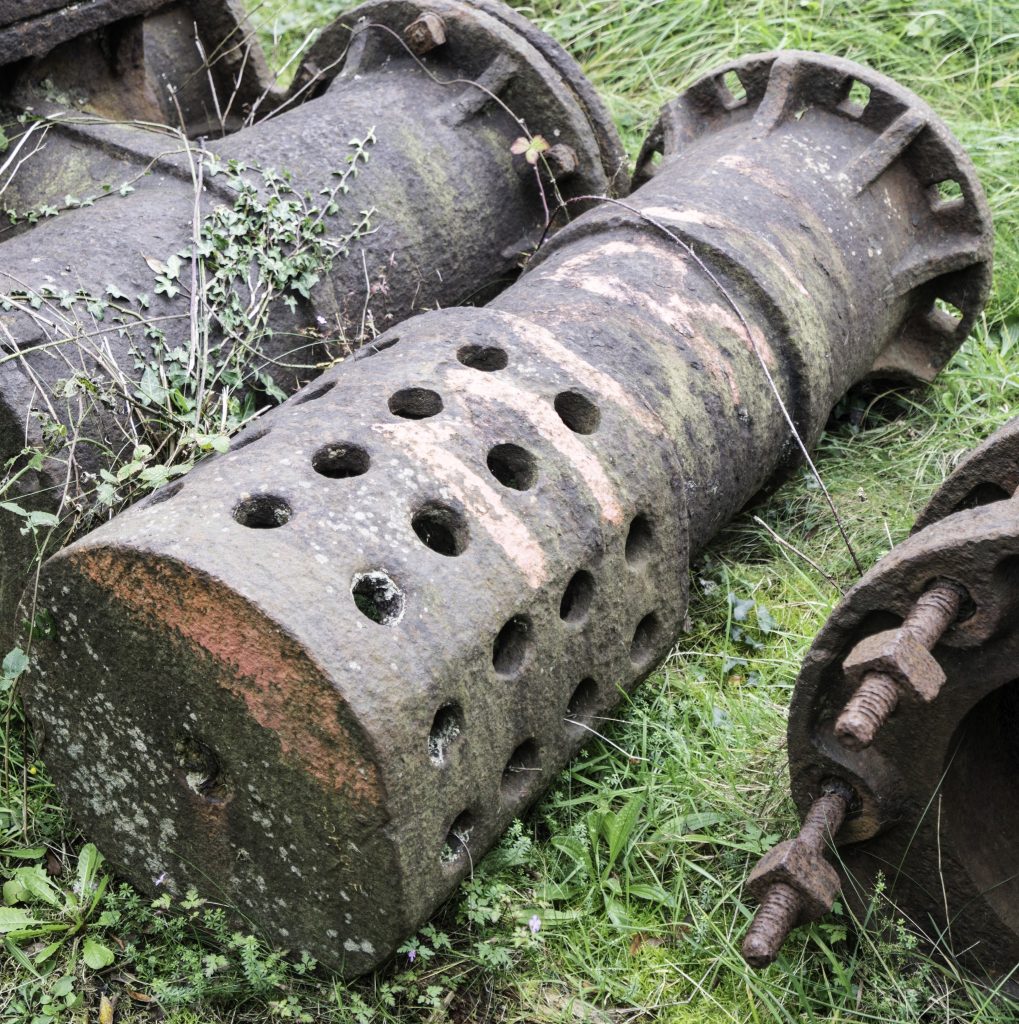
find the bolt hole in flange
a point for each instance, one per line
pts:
(263, 512)
(645, 640)
(980, 801)
(578, 412)
(513, 466)
(377, 597)
(487, 358)
(415, 403)
(945, 193)
(582, 705)
(512, 646)
(454, 849)
(341, 460)
(857, 98)
(640, 540)
(441, 528)
(577, 597)
(736, 93)
(447, 727)
(522, 771)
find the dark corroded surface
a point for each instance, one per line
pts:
(937, 784)
(392, 616)
(120, 56)
(794, 882)
(897, 664)
(454, 210)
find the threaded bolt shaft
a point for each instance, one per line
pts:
(869, 708)
(776, 917)
(878, 694)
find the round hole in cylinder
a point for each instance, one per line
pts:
(513, 466)
(246, 437)
(262, 512)
(200, 768)
(415, 403)
(447, 727)
(577, 411)
(512, 646)
(377, 597)
(314, 394)
(165, 493)
(487, 358)
(577, 597)
(582, 705)
(639, 540)
(454, 849)
(441, 528)
(341, 460)
(645, 641)
(522, 772)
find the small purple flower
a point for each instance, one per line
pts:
(411, 955)
(160, 880)
(534, 924)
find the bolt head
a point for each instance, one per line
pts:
(896, 654)
(802, 868)
(425, 33)
(562, 161)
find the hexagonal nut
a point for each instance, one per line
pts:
(806, 870)
(425, 33)
(896, 654)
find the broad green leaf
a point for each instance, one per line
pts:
(37, 883)
(15, 663)
(13, 919)
(96, 955)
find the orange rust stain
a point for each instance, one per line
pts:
(258, 662)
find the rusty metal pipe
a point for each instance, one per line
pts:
(454, 210)
(936, 786)
(398, 610)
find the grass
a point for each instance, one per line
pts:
(634, 860)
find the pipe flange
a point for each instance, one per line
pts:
(498, 59)
(947, 849)
(987, 474)
(947, 274)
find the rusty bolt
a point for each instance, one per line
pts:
(425, 33)
(793, 882)
(562, 161)
(897, 663)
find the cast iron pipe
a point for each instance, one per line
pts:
(194, 65)
(455, 211)
(324, 672)
(936, 784)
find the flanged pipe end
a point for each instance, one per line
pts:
(526, 71)
(951, 763)
(947, 273)
(988, 474)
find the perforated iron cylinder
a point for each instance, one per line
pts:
(452, 211)
(324, 672)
